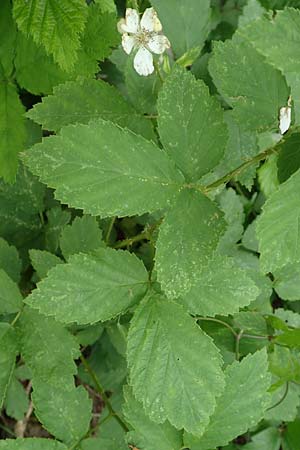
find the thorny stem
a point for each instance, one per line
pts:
(101, 391)
(282, 398)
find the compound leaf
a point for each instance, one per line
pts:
(91, 288)
(278, 226)
(187, 238)
(106, 170)
(240, 406)
(191, 124)
(164, 374)
(55, 25)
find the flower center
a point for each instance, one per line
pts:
(143, 37)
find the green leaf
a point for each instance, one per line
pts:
(267, 176)
(251, 11)
(31, 444)
(64, 413)
(187, 239)
(82, 236)
(291, 436)
(46, 73)
(20, 204)
(16, 402)
(49, 360)
(43, 261)
(12, 130)
(10, 297)
(243, 77)
(233, 208)
(147, 434)
(242, 146)
(283, 31)
(164, 373)
(10, 260)
(287, 281)
(8, 353)
(7, 39)
(290, 338)
(240, 406)
(277, 228)
(249, 239)
(91, 288)
(220, 287)
(58, 218)
(288, 160)
(108, 181)
(100, 33)
(185, 22)
(57, 26)
(287, 409)
(85, 100)
(191, 124)
(266, 439)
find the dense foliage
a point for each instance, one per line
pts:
(149, 224)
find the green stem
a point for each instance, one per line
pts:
(7, 430)
(237, 345)
(109, 230)
(240, 169)
(225, 324)
(157, 70)
(128, 242)
(101, 391)
(282, 398)
(16, 318)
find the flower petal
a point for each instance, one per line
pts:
(132, 21)
(150, 21)
(143, 62)
(158, 43)
(128, 43)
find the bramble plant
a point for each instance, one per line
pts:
(149, 232)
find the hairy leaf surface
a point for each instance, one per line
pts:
(31, 444)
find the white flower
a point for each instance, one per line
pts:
(144, 36)
(285, 117)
